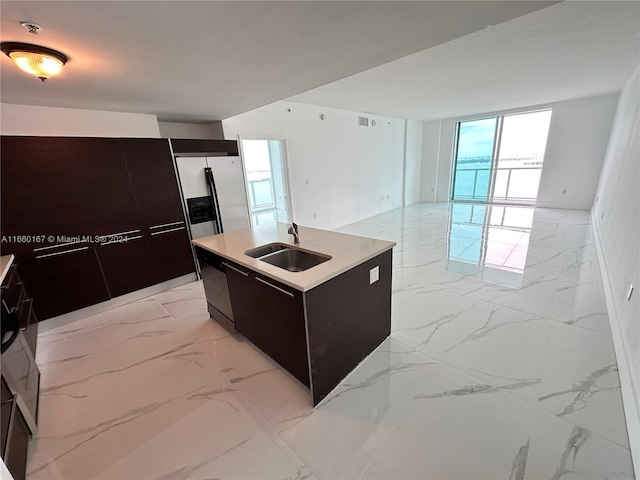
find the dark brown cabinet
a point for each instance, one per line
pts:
(271, 315)
(20, 377)
(37, 189)
(246, 313)
(101, 181)
(154, 181)
(6, 405)
(319, 335)
(281, 322)
(40, 211)
(155, 188)
(17, 442)
(91, 218)
(64, 278)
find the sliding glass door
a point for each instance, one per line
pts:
(499, 159)
(474, 154)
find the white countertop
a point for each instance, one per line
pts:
(346, 251)
(5, 263)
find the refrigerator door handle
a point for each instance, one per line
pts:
(211, 184)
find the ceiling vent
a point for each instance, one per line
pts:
(363, 122)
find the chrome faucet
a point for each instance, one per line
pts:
(293, 230)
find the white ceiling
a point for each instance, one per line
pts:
(570, 50)
(206, 60)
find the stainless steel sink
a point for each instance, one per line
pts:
(266, 249)
(295, 260)
(287, 257)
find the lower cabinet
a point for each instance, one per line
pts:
(322, 334)
(20, 377)
(64, 278)
(170, 250)
(126, 265)
(271, 315)
(15, 434)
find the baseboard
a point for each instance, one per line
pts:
(630, 399)
(55, 322)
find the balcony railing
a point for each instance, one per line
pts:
(518, 184)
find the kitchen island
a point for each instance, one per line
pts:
(319, 323)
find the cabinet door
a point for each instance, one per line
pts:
(159, 204)
(64, 279)
(101, 181)
(154, 180)
(6, 405)
(15, 453)
(281, 324)
(39, 201)
(271, 315)
(243, 290)
(37, 188)
(170, 249)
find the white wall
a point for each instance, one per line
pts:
(576, 146)
(578, 137)
(616, 218)
(207, 131)
(52, 121)
(339, 172)
(413, 161)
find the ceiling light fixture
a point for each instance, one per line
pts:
(39, 61)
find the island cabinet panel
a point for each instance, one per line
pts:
(271, 316)
(347, 318)
(242, 293)
(281, 322)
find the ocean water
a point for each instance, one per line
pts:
(465, 178)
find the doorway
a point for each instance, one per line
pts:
(267, 182)
(499, 159)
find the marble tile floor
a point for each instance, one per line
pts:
(500, 365)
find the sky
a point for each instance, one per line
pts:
(523, 136)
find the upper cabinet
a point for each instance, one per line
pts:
(154, 181)
(101, 182)
(37, 187)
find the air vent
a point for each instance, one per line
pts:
(363, 122)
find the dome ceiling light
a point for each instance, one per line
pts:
(41, 62)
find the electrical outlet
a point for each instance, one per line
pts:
(314, 215)
(630, 292)
(374, 274)
(564, 192)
